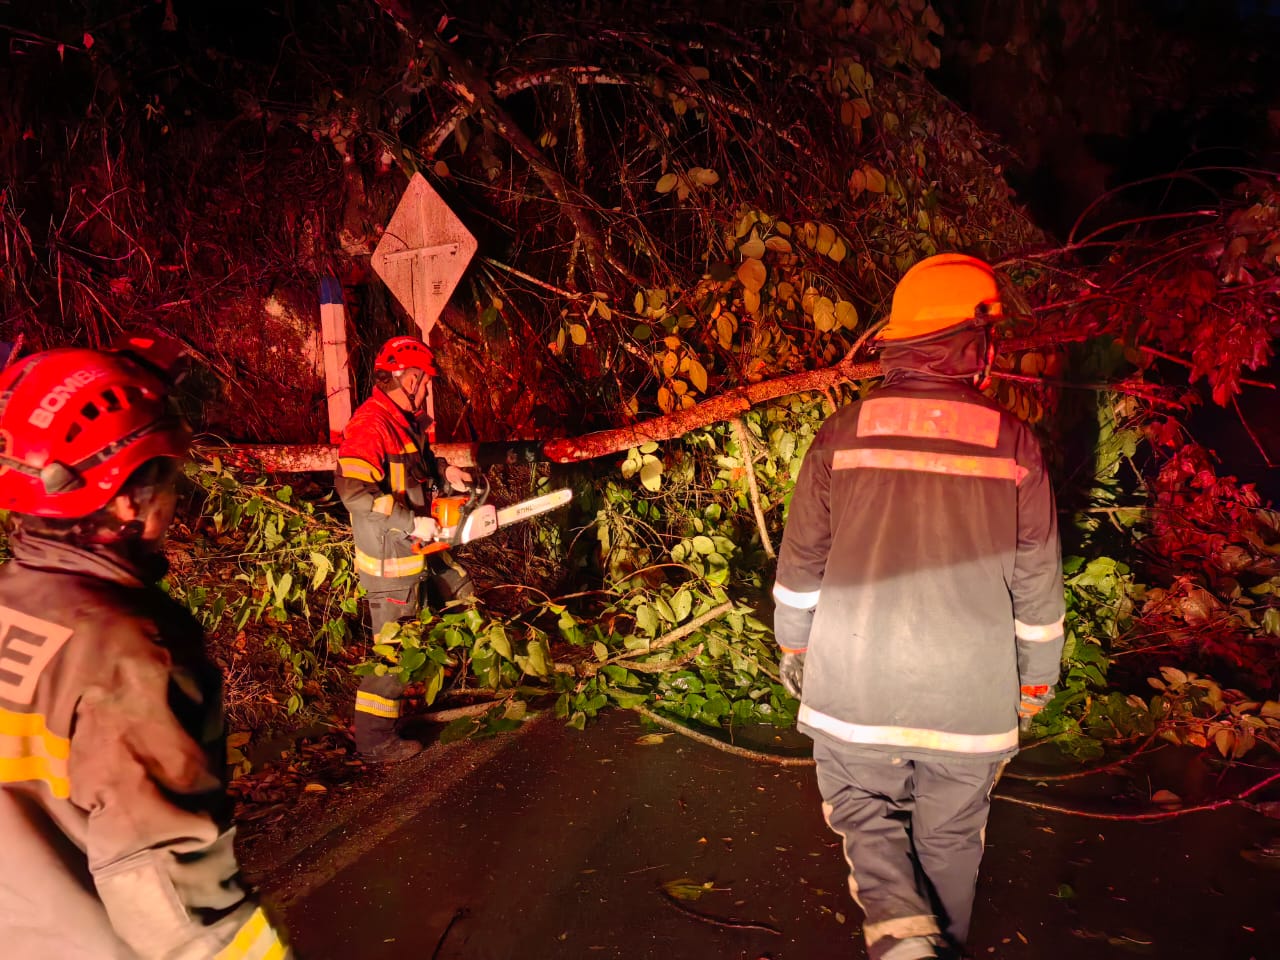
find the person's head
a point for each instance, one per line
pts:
(945, 301)
(403, 370)
(90, 449)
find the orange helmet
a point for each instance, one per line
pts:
(941, 292)
(405, 353)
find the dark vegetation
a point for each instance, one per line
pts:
(673, 205)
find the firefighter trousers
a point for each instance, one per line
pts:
(378, 698)
(913, 833)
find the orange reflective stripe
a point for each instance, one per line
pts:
(358, 469)
(391, 567)
(397, 478)
(30, 751)
(929, 419)
(989, 468)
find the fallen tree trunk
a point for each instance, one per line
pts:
(602, 443)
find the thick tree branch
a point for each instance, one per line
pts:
(471, 87)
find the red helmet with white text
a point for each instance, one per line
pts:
(405, 353)
(76, 423)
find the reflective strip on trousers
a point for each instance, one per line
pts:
(256, 940)
(901, 928)
(392, 567)
(376, 705)
(29, 751)
(917, 737)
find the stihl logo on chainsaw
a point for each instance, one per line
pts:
(463, 519)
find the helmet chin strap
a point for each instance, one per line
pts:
(982, 380)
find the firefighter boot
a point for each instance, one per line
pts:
(395, 750)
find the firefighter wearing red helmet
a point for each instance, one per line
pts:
(115, 820)
(387, 477)
(919, 608)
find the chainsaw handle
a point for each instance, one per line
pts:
(479, 495)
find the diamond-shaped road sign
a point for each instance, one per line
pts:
(423, 253)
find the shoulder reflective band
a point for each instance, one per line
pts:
(358, 469)
(988, 468)
(1038, 633)
(794, 598)
(376, 705)
(256, 940)
(929, 420)
(29, 751)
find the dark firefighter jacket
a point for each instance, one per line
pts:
(115, 824)
(920, 567)
(386, 476)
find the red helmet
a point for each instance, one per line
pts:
(405, 353)
(75, 424)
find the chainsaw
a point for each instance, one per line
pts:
(465, 518)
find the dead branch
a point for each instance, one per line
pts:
(666, 639)
(716, 921)
(753, 488)
(473, 89)
(702, 738)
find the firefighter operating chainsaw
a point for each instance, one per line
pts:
(408, 507)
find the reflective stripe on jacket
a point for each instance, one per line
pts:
(920, 570)
(117, 841)
(385, 477)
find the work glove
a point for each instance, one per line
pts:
(1034, 699)
(457, 478)
(424, 528)
(791, 670)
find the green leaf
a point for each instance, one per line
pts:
(686, 889)
(600, 650)
(651, 474)
(682, 605)
(647, 619)
(497, 637)
(459, 729)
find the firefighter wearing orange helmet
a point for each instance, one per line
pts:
(117, 840)
(919, 609)
(387, 477)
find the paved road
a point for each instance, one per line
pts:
(556, 844)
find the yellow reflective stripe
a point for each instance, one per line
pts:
(384, 504)
(391, 567)
(376, 705)
(29, 751)
(993, 468)
(397, 478)
(916, 737)
(358, 469)
(410, 447)
(256, 940)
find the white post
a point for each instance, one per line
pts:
(333, 338)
